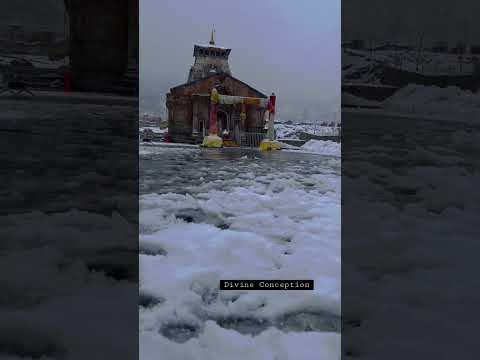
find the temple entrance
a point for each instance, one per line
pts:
(223, 123)
(228, 128)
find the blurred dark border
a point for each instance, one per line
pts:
(410, 125)
(69, 200)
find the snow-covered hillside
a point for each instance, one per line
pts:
(289, 130)
(367, 66)
(449, 103)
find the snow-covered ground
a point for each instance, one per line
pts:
(411, 201)
(283, 130)
(238, 214)
(426, 102)
(68, 277)
(60, 290)
(155, 129)
(450, 103)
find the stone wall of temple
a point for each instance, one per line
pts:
(188, 108)
(180, 117)
(225, 84)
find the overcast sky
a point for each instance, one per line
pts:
(289, 47)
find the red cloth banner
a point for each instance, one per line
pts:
(213, 119)
(271, 103)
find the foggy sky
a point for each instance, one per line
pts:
(289, 47)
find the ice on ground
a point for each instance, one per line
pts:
(243, 219)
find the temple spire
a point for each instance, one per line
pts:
(212, 37)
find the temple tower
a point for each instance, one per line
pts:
(210, 59)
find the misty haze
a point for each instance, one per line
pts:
(276, 46)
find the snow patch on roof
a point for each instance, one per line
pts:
(212, 46)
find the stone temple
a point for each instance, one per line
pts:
(239, 115)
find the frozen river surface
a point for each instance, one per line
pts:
(207, 215)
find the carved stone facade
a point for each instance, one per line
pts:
(209, 60)
(189, 105)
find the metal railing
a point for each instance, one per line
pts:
(252, 139)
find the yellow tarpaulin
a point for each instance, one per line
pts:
(215, 96)
(232, 100)
(251, 101)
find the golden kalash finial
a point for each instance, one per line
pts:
(212, 37)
